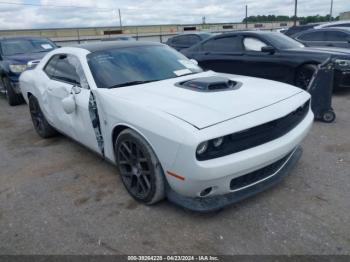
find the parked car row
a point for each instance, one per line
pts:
(268, 55)
(297, 29)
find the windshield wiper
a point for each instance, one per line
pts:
(131, 83)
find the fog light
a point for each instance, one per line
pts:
(218, 141)
(202, 148)
(205, 192)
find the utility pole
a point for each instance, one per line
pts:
(295, 12)
(246, 16)
(120, 20)
(331, 12)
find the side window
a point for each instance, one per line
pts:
(335, 36)
(49, 69)
(253, 44)
(223, 44)
(179, 40)
(313, 36)
(66, 68)
(192, 39)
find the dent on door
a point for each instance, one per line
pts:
(95, 120)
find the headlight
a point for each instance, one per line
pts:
(18, 68)
(202, 148)
(218, 141)
(342, 62)
(208, 146)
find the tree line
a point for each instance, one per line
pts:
(284, 18)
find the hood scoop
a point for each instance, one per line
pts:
(210, 84)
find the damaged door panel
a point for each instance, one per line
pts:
(96, 124)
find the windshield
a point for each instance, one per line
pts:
(25, 46)
(281, 41)
(137, 65)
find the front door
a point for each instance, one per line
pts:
(68, 79)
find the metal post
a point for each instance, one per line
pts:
(246, 16)
(331, 12)
(120, 20)
(78, 34)
(160, 34)
(295, 12)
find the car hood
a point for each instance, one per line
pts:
(203, 109)
(25, 58)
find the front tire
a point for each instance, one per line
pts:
(42, 127)
(139, 167)
(13, 99)
(304, 75)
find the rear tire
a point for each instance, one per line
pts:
(42, 127)
(139, 168)
(12, 98)
(328, 116)
(304, 75)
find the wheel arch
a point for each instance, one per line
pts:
(310, 62)
(120, 128)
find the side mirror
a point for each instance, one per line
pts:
(69, 104)
(76, 89)
(268, 49)
(194, 61)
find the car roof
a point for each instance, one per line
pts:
(344, 29)
(332, 24)
(347, 29)
(108, 45)
(192, 33)
(252, 32)
(21, 37)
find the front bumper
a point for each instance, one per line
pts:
(272, 175)
(14, 80)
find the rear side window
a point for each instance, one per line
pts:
(50, 66)
(180, 40)
(223, 44)
(66, 68)
(336, 36)
(192, 39)
(313, 36)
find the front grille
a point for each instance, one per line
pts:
(258, 175)
(258, 135)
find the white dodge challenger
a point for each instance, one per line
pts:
(202, 139)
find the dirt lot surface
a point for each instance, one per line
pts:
(56, 197)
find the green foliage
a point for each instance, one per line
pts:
(284, 18)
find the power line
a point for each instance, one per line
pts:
(50, 5)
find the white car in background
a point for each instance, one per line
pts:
(202, 139)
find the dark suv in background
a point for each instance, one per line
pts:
(17, 54)
(334, 37)
(183, 41)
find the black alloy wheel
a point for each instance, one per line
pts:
(139, 168)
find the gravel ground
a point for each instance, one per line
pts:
(56, 197)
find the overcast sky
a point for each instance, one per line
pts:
(85, 13)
